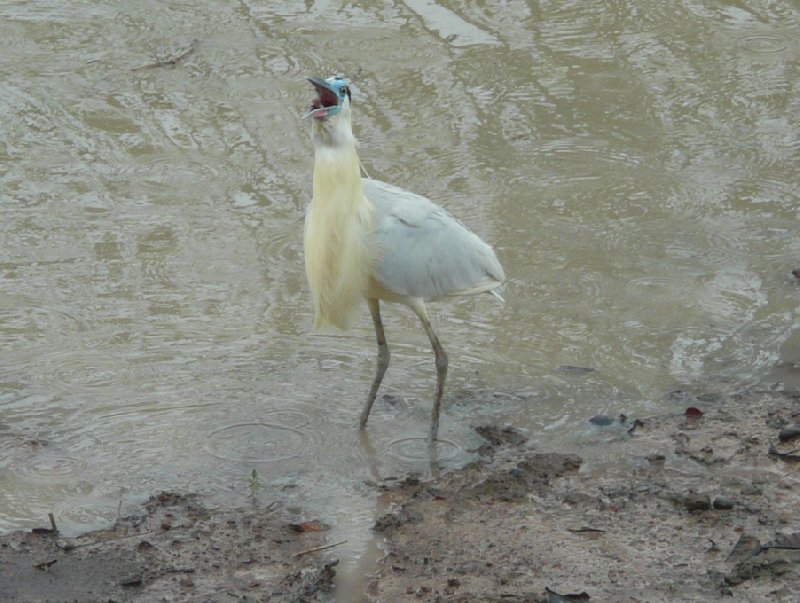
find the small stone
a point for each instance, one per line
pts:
(135, 580)
(602, 420)
(722, 503)
(65, 545)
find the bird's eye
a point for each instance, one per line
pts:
(344, 90)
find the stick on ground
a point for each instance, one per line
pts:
(318, 548)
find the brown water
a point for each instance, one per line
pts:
(634, 164)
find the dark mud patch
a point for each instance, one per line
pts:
(177, 550)
(498, 436)
(532, 474)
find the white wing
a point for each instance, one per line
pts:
(426, 252)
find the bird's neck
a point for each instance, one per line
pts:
(337, 178)
(340, 247)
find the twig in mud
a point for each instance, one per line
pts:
(69, 545)
(44, 565)
(173, 61)
(52, 523)
(318, 548)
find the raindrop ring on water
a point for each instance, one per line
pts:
(256, 442)
(292, 419)
(415, 449)
(51, 469)
(764, 43)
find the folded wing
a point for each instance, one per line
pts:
(424, 251)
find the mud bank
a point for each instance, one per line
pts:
(701, 506)
(176, 550)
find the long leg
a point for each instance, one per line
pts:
(441, 367)
(383, 359)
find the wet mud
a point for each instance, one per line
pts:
(701, 506)
(176, 550)
(697, 506)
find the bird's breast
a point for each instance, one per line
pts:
(340, 249)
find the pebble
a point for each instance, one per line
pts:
(722, 503)
(601, 420)
(135, 580)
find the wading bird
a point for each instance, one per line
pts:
(368, 239)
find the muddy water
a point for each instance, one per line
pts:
(636, 168)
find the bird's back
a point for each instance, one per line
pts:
(425, 252)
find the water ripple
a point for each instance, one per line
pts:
(763, 43)
(634, 165)
(411, 449)
(257, 442)
(79, 371)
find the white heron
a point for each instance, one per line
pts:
(368, 239)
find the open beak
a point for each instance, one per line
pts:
(326, 99)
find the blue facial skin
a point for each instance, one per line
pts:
(339, 87)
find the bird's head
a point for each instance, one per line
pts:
(330, 110)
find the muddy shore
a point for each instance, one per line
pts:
(698, 506)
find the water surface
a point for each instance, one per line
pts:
(635, 167)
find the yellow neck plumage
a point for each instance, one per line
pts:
(339, 237)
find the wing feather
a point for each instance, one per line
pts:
(424, 251)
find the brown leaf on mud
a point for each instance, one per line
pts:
(693, 412)
(309, 526)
